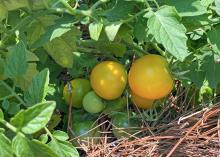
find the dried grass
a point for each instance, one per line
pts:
(194, 135)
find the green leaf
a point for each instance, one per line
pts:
(115, 48)
(2, 69)
(38, 88)
(111, 30)
(188, 7)
(61, 49)
(82, 61)
(196, 74)
(63, 148)
(34, 118)
(1, 115)
(24, 81)
(140, 29)
(43, 138)
(38, 28)
(212, 71)
(115, 105)
(121, 10)
(13, 108)
(168, 31)
(32, 57)
(15, 4)
(60, 27)
(5, 146)
(217, 8)
(42, 150)
(3, 12)
(194, 22)
(95, 30)
(214, 40)
(206, 3)
(60, 135)
(21, 147)
(41, 4)
(16, 61)
(4, 91)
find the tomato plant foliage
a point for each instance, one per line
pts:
(45, 43)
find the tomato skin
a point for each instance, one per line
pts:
(142, 103)
(108, 79)
(93, 103)
(80, 87)
(150, 78)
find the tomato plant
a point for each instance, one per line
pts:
(54, 53)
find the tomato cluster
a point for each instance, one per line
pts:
(149, 79)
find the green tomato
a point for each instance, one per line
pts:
(3, 12)
(122, 124)
(92, 103)
(80, 87)
(84, 130)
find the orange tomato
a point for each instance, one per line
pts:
(108, 79)
(150, 78)
(142, 102)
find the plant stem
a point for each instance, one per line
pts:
(6, 97)
(94, 6)
(148, 5)
(75, 11)
(135, 16)
(9, 126)
(12, 92)
(136, 47)
(48, 132)
(159, 49)
(12, 128)
(157, 5)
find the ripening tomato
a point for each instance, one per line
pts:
(80, 87)
(142, 103)
(108, 79)
(150, 78)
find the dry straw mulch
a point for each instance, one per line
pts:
(194, 135)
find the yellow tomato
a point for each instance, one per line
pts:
(80, 87)
(108, 79)
(150, 78)
(142, 103)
